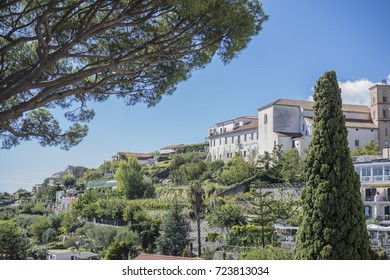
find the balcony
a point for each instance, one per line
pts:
(376, 198)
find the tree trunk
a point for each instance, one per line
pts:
(199, 241)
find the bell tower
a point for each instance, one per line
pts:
(380, 112)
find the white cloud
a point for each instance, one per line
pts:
(356, 92)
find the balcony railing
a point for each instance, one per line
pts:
(384, 218)
(373, 179)
(376, 198)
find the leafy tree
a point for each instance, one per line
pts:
(193, 171)
(110, 209)
(68, 180)
(214, 170)
(129, 179)
(226, 216)
(13, 244)
(38, 230)
(93, 174)
(291, 167)
(196, 197)
(70, 222)
(130, 211)
(67, 53)
(370, 149)
(121, 250)
(49, 235)
(47, 194)
(147, 227)
(101, 236)
(269, 164)
(333, 224)
(237, 170)
(175, 229)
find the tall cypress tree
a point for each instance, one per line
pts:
(333, 224)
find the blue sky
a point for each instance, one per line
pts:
(301, 40)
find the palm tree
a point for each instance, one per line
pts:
(196, 197)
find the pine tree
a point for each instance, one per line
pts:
(333, 224)
(263, 207)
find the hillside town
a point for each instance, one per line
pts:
(235, 196)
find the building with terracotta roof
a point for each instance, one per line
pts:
(238, 135)
(289, 123)
(169, 149)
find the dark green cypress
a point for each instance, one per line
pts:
(333, 224)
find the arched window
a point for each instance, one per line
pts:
(265, 118)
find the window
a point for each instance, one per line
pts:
(384, 98)
(384, 113)
(220, 141)
(265, 118)
(257, 135)
(252, 136)
(293, 144)
(232, 139)
(274, 143)
(244, 153)
(386, 131)
(253, 153)
(220, 156)
(225, 140)
(220, 130)
(367, 211)
(377, 172)
(387, 212)
(356, 142)
(244, 137)
(238, 139)
(214, 143)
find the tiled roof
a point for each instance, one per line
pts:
(171, 147)
(144, 256)
(308, 105)
(355, 123)
(360, 124)
(249, 126)
(243, 117)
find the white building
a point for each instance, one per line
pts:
(232, 136)
(290, 123)
(374, 173)
(168, 150)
